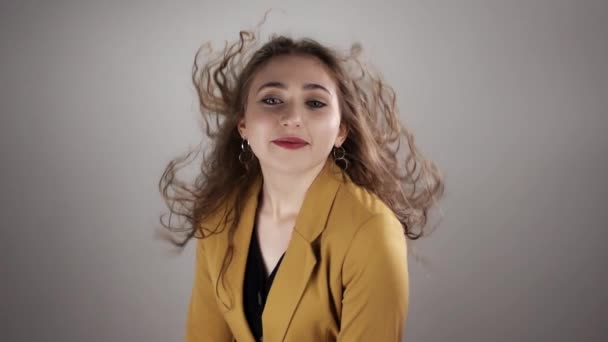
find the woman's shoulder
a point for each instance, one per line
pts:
(214, 227)
(356, 205)
(361, 222)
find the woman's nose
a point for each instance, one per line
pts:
(291, 117)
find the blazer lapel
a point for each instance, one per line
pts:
(235, 273)
(297, 265)
(299, 261)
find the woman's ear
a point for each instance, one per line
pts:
(241, 127)
(342, 134)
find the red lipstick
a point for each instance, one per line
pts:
(291, 143)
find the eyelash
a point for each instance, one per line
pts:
(321, 104)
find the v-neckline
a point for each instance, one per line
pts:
(258, 247)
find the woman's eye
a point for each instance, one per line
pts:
(275, 101)
(271, 101)
(316, 104)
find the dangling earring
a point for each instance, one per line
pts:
(339, 154)
(246, 154)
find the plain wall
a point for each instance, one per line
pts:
(507, 97)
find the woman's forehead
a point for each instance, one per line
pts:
(294, 70)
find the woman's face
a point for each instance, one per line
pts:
(292, 116)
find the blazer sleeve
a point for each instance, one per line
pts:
(375, 283)
(204, 321)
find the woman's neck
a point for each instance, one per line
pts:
(283, 194)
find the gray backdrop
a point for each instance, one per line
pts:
(508, 97)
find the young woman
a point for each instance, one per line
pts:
(302, 208)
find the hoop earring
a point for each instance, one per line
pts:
(339, 154)
(246, 154)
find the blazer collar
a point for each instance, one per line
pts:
(297, 265)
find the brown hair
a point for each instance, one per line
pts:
(368, 109)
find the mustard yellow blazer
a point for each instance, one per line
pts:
(344, 275)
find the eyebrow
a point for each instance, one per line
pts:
(307, 86)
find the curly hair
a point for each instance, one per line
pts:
(367, 105)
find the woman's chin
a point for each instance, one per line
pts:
(289, 165)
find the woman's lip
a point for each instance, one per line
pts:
(289, 145)
(293, 140)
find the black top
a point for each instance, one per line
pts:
(257, 285)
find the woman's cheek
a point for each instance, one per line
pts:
(263, 118)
